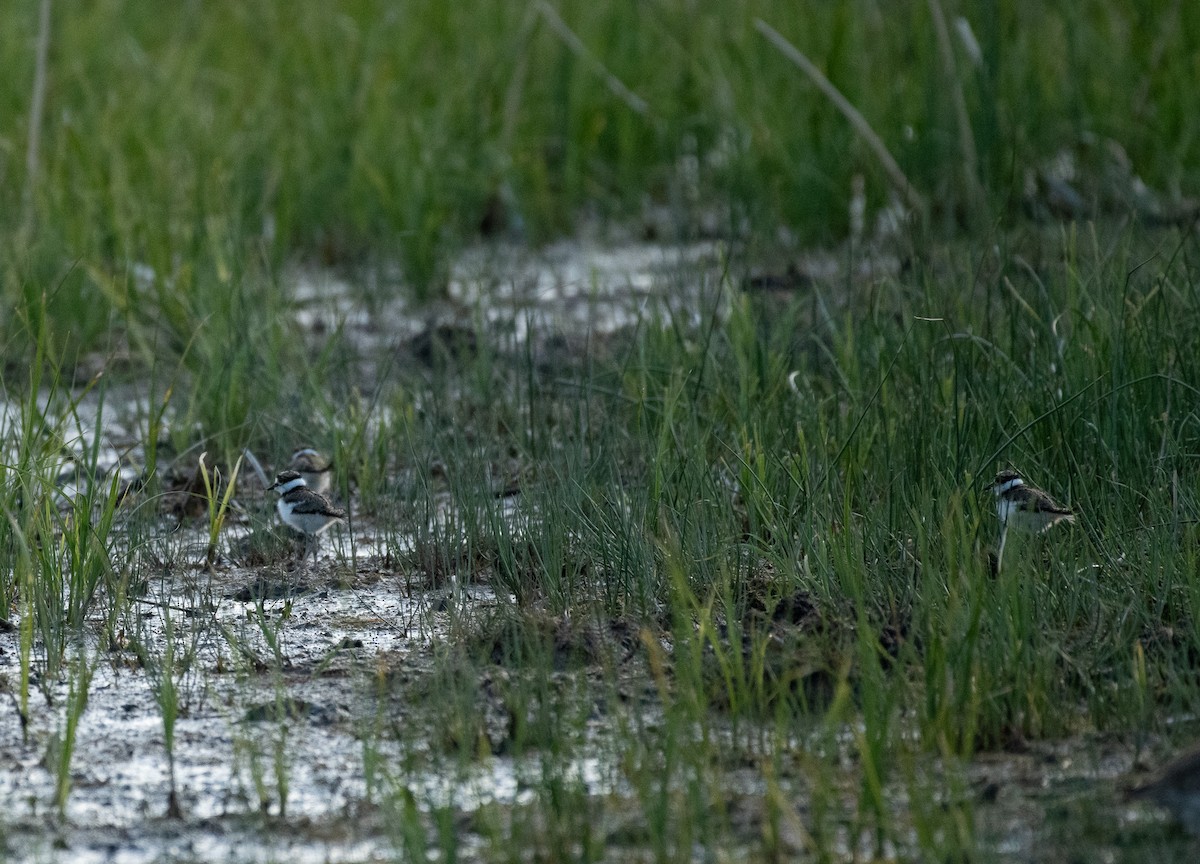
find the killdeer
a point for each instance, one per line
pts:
(1024, 507)
(316, 470)
(303, 509)
(1176, 786)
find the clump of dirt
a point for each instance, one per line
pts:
(442, 562)
(513, 637)
(445, 344)
(290, 708)
(184, 494)
(790, 645)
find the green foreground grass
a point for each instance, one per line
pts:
(798, 579)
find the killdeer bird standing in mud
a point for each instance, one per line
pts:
(316, 470)
(1024, 507)
(304, 509)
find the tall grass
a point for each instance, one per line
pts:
(720, 491)
(712, 577)
(193, 143)
(721, 584)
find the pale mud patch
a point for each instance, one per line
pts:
(263, 686)
(570, 291)
(282, 686)
(281, 672)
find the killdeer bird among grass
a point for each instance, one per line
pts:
(316, 470)
(303, 509)
(1024, 507)
(1176, 786)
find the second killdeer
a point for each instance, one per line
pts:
(316, 469)
(1024, 507)
(304, 509)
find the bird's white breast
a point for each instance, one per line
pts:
(305, 523)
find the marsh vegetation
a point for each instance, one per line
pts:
(666, 535)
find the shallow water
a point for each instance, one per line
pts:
(570, 289)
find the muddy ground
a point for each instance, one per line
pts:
(294, 681)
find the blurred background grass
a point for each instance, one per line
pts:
(222, 134)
